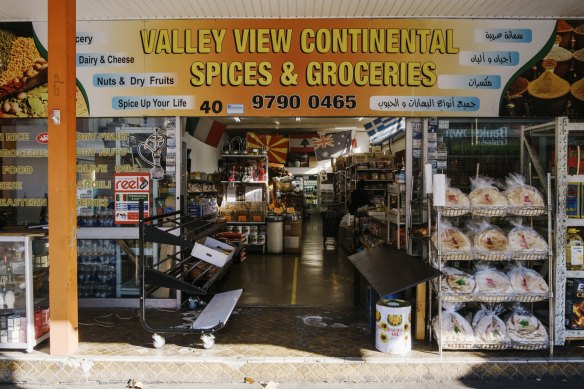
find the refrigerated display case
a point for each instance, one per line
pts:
(24, 286)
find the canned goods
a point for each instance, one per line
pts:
(253, 238)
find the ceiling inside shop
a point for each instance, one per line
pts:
(36, 10)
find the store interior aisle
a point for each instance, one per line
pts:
(317, 276)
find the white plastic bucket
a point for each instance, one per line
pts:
(393, 330)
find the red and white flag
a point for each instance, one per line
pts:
(302, 142)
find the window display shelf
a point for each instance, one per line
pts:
(24, 313)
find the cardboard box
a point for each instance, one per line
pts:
(291, 244)
(575, 303)
(213, 251)
(292, 228)
(575, 288)
(575, 314)
(573, 200)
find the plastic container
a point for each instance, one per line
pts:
(574, 250)
(393, 330)
(275, 232)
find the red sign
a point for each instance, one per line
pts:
(130, 189)
(43, 138)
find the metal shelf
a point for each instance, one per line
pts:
(575, 273)
(244, 182)
(246, 223)
(574, 334)
(265, 156)
(574, 222)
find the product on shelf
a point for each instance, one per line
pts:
(488, 327)
(574, 250)
(523, 327)
(485, 194)
(457, 281)
(575, 303)
(520, 195)
(523, 238)
(525, 280)
(492, 281)
(489, 240)
(456, 198)
(452, 327)
(452, 239)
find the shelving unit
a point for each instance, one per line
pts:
(201, 197)
(24, 321)
(439, 257)
(395, 211)
(245, 194)
(326, 193)
(181, 270)
(560, 133)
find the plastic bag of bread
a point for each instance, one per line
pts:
(451, 238)
(488, 326)
(453, 327)
(490, 280)
(457, 203)
(489, 241)
(523, 239)
(523, 327)
(525, 280)
(524, 200)
(455, 281)
(486, 198)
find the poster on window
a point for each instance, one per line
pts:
(130, 188)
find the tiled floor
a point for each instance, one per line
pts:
(295, 322)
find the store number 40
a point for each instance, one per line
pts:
(211, 106)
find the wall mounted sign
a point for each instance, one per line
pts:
(306, 67)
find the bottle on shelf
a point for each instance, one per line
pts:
(574, 250)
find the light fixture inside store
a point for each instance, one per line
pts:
(237, 119)
(297, 119)
(277, 122)
(346, 128)
(361, 118)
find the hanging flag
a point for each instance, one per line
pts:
(381, 129)
(275, 145)
(332, 145)
(206, 130)
(302, 142)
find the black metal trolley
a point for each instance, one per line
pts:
(179, 270)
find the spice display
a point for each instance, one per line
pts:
(548, 85)
(23, 56)
(6, 39)
(32, 103)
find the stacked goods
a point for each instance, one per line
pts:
(524, 327)
(452, 327)
(575, 303)
(488, 327)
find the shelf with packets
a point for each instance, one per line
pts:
(506, 279)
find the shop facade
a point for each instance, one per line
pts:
(461, 84)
